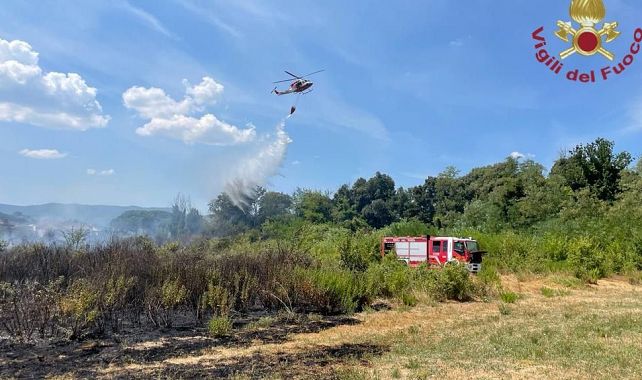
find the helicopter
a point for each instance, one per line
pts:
(299, 85)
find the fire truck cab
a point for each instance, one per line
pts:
(434, 250)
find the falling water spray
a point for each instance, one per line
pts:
(256, 170)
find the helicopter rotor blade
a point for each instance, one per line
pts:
(316, 72)
(289, 73)
(285, 80)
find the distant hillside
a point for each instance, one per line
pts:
(99, 215)
(14, 219)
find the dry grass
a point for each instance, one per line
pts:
(589, 332)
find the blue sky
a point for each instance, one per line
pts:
(410, 88)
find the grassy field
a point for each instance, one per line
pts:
(549, 332)
(543, 328)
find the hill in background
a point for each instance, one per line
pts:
(94, 215)
(49, 222)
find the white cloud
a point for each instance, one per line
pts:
(207, 130)
(153, 102)
(518, 155)
(204, 93)
(146, 18)
(53, 100)
(212, 17)
(457, 43)
(460, 41)
(43, 154)
(296, 162)
(174, 119)
(106, 172)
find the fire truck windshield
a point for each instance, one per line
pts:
(471, 246)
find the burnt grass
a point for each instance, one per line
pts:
(86, 358)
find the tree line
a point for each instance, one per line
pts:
(513, 194)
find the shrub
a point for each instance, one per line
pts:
(409, 299)
(587, 260)
(504, 309)
(244, 286)
(568, 281)
(555, 247)
(263, 278)
(80, 307)
(28, 308)
(549, 293)
(261, 323)
(487, 283)
(353, 257)
(219, 326)
(338, 291)
(390, 278)
(509, 297)
(453, 283)
(161, 302)
(510, 250)
(635, 278)
(114, 300)
(637, 252)
(489, 276)
(217, 300)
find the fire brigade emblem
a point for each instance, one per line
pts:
(587, 40)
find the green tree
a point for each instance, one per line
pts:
(343, 205)
(450, 197)
(141, 222)
(373, 198)
(75, 238)
(272, 205)
(400, 204)
(422, 201)
(511, 194)
(594, 166)
(380, 186)
(185, 220)
(360, 194)
(313, 206)
(226, 218)
(194, 222)
(378, 213)
(543, 201)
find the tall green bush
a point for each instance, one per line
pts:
(587, 259)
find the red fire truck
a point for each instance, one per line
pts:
(434, 250)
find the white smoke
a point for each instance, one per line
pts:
(259, 168)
